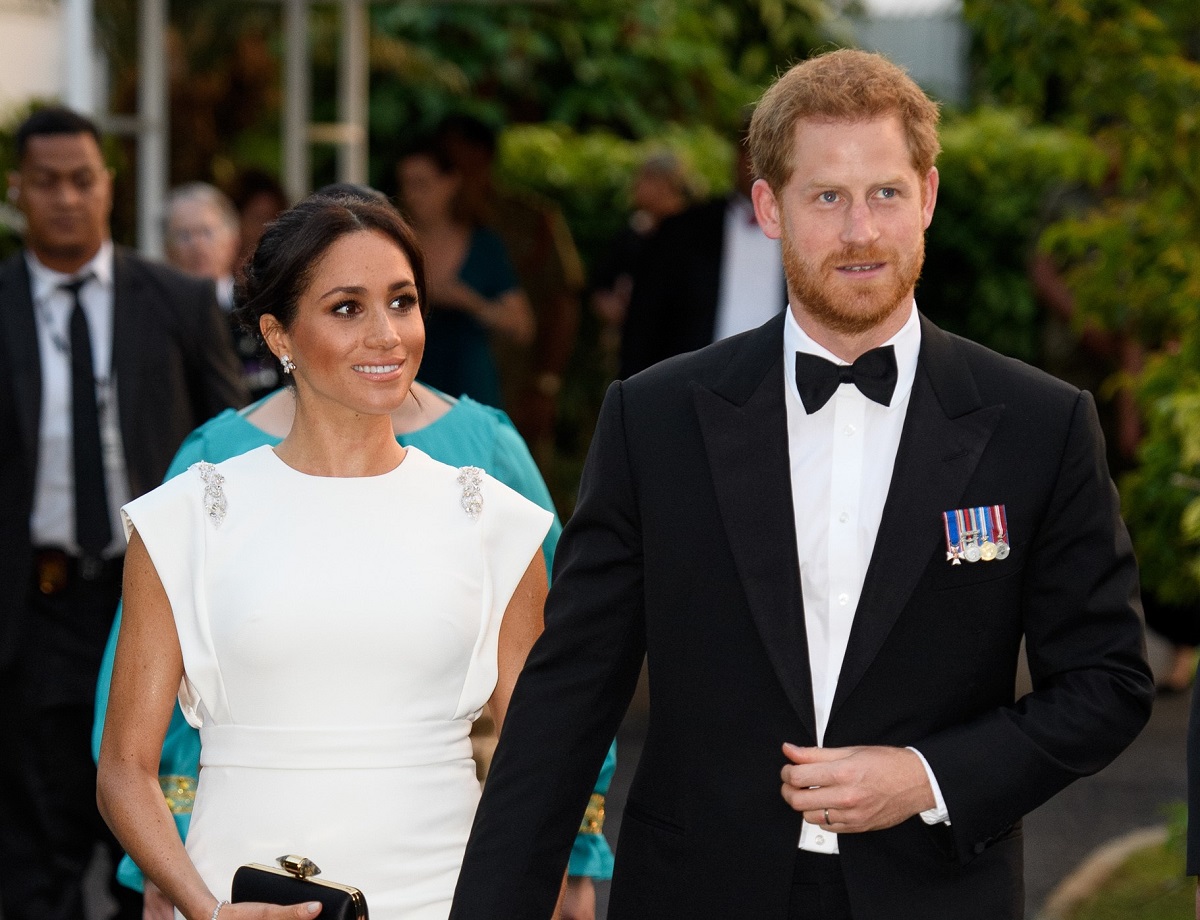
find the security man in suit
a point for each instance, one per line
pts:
(106, 362)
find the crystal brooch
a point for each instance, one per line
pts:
(471, 479)
(214, 494)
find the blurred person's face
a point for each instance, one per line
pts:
(65, 192)
(199, 241)
(258, 211)
(426, 192)
(657, 195)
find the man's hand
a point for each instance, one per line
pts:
(858, 788)
(579, 902)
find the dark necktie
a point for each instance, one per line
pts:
(93, 531)
(874, 373)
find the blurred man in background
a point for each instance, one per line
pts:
(106, 363)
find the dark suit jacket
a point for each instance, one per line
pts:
(676, 284)
(174, 366)
(683, 547)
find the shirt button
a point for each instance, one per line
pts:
(849, 430)
(844, 517)
(819, 840)
(843, 599)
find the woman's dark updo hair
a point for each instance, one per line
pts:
(296, 241)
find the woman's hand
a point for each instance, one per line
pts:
(579, 901)
(508, 315)
(155, 904)
(253, 910)
(452, 294)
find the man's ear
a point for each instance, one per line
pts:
(929, 192)
(766, 209)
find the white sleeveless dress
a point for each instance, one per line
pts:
(339, 636)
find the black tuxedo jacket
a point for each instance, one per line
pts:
(683, 548)
(174, 367)
(677, 282)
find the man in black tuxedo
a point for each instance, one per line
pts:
(106, 363)
(703, 275)
(828, 536)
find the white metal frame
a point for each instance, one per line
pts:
(152, 124)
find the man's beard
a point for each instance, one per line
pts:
(854, 309)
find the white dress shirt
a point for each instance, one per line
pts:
(841, 467)
(52, 522)
(751, 280)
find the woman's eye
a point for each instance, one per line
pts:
(404, 302)
(346, 308)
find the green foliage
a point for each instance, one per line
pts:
(1149, 885)
(1126, 71)
(996, 171)
(626, 66)
(589, 173)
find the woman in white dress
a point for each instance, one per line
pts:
(334, 710)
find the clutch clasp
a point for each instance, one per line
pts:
(299, 866)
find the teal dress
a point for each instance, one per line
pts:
(470, 434)
(458, 351)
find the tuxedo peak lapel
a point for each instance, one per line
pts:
(24, 356)
(946, 430)
(743, 420)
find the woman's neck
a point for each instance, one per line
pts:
(422, 407)
(340, 444)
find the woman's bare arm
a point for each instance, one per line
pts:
(520, 628)
(146, 676)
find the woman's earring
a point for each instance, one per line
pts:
(287, 363)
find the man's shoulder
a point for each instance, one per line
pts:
(168, 289)
(1000, 378)
(12, 267)
(158, 273)
(750, 352)
(704, 215)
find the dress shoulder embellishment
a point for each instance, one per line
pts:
(214, 494)
(471, 479)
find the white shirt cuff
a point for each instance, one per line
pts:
(938, 814)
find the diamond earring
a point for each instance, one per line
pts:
(287, 363)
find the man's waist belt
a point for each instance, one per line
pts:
(55, 570)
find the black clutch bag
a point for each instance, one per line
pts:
(293, 883)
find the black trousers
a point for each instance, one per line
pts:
(818, 889)
(48, 816)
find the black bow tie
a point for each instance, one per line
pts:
(874, 373)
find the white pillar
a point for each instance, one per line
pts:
(297, 105)
(153, 125)
(353, 79)
(78, 46)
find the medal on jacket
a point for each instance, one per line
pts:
(983, 521)
(953, 541)
(978, 534)
(970, 535)
(1000, 528)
